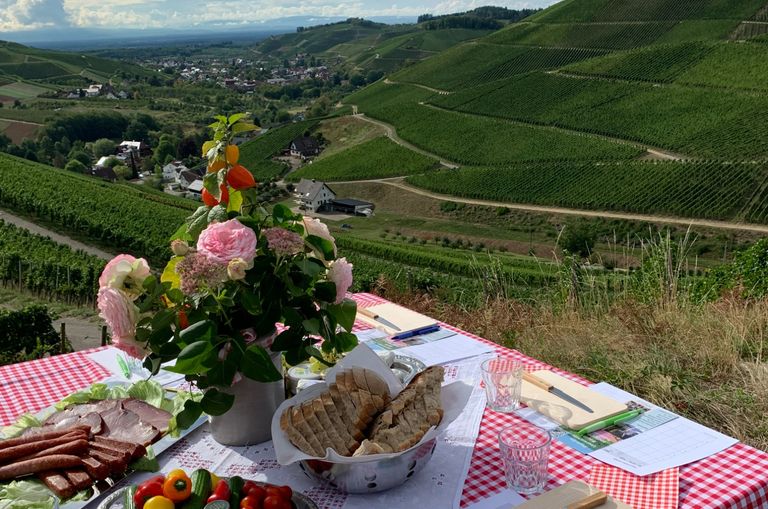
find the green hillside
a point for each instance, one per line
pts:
(36, 68)
(582, 89)
(365, 45)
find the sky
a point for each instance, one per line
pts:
(17, 15)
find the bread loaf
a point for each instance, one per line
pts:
(356, 406)
(339, 417)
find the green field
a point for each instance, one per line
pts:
(707, 189)
(22, 90)
(377, 158)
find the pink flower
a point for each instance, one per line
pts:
(127, 273)
(222, 242)
(315, 227)
(121, 316)
(284, 242)
(340, 272)
(198, 272)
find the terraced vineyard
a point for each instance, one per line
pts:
(43, 266)
(105, 213)
(377, 158)
(710, 190)
(256, 155)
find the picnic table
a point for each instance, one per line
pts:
(734, 478)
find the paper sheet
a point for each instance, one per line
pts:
(110, 359)
(505, 499)
(450, 349)
(678, 442)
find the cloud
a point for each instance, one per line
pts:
(31, 14)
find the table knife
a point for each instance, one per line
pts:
(531, 378)
(374, 316)
(589, 502)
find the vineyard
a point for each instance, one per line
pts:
(377, 158)
(100, 211)
(689, 189)
(47, 268)
(256, 155)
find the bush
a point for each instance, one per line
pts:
(579, 238)
(27, 334)
(76, 166)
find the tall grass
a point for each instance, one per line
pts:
(643, 330)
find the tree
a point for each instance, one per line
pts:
(164, 150)
(357, 80)
(81, 156)
(373, 75)
(5, 141)
(136, 131)
(579, 238)
(112, 162)
(103, 147)
(76, 166)
(123, 172)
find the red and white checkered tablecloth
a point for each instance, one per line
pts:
(736, 478)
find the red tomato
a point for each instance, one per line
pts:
(250, 502)
(248, 486)
(257, 492)
(220, 492)
(286, 491)
(276, 502)
(274, 491)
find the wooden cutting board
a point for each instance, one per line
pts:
(564, 412)
(569, 493)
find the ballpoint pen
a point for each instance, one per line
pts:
(417, 332)
(616, 419)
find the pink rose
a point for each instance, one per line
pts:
(222, 242)
(317, 228)
(121, 316)
(127, 273)
(340, 272)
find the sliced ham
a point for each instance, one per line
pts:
(81, 410)
(149, 414)
(123, 425)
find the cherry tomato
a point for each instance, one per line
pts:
(220, 492)
(286, 491)
(251, 502)
(256, 492)
(274, 491)
(276, 502)
(159, 503)
(147, 490)
(248, 486)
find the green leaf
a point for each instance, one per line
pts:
(344, 313)
(215, 402)
(321, 246)
(312, 325)
(235, 201)
(312, 267)
(189, 415)
(148, 391)
(181, 232)
(203, 329)
(147, 463)
(234, 118)
(149, 283)
(345, 341)
(250, 301)
(287, 340)
(196, 358)
(197, 222)
(281, 213)
(170, 275)
(211, 184)
(326, 290)
(257, 365)
(217, 213)
(241, 127)
(317, 354)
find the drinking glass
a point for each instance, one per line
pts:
(525, 451)
(503, 380)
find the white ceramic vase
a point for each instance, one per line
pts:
(249, 420)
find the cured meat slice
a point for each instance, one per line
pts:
(136, 450)
(149, 414)
(123, 425)
(57, 483)
(81, 410)
(96, 468)
(79, 478)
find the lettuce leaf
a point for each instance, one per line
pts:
(149, 391)
(25, 495)
(22, 423)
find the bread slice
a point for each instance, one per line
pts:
(294, 436)
(300, 423)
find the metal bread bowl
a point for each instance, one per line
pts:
(378, 474)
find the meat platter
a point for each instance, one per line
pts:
(88, 445)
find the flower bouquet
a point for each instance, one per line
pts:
(236, 273)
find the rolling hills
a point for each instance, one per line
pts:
(561, 107)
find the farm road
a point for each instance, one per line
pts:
(705, 223)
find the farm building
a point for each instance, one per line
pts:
(313, 195)
(353, 207)
(304, 147)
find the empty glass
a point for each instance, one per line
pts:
(525, 451)
(503, 380)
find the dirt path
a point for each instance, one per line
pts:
(435, 90)
(706, 223)
(83, 334)
(392, 135)
(21, 122)
(56, 237)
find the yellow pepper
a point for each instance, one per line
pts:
(159, 503)
(214, 479)
(177, 486)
